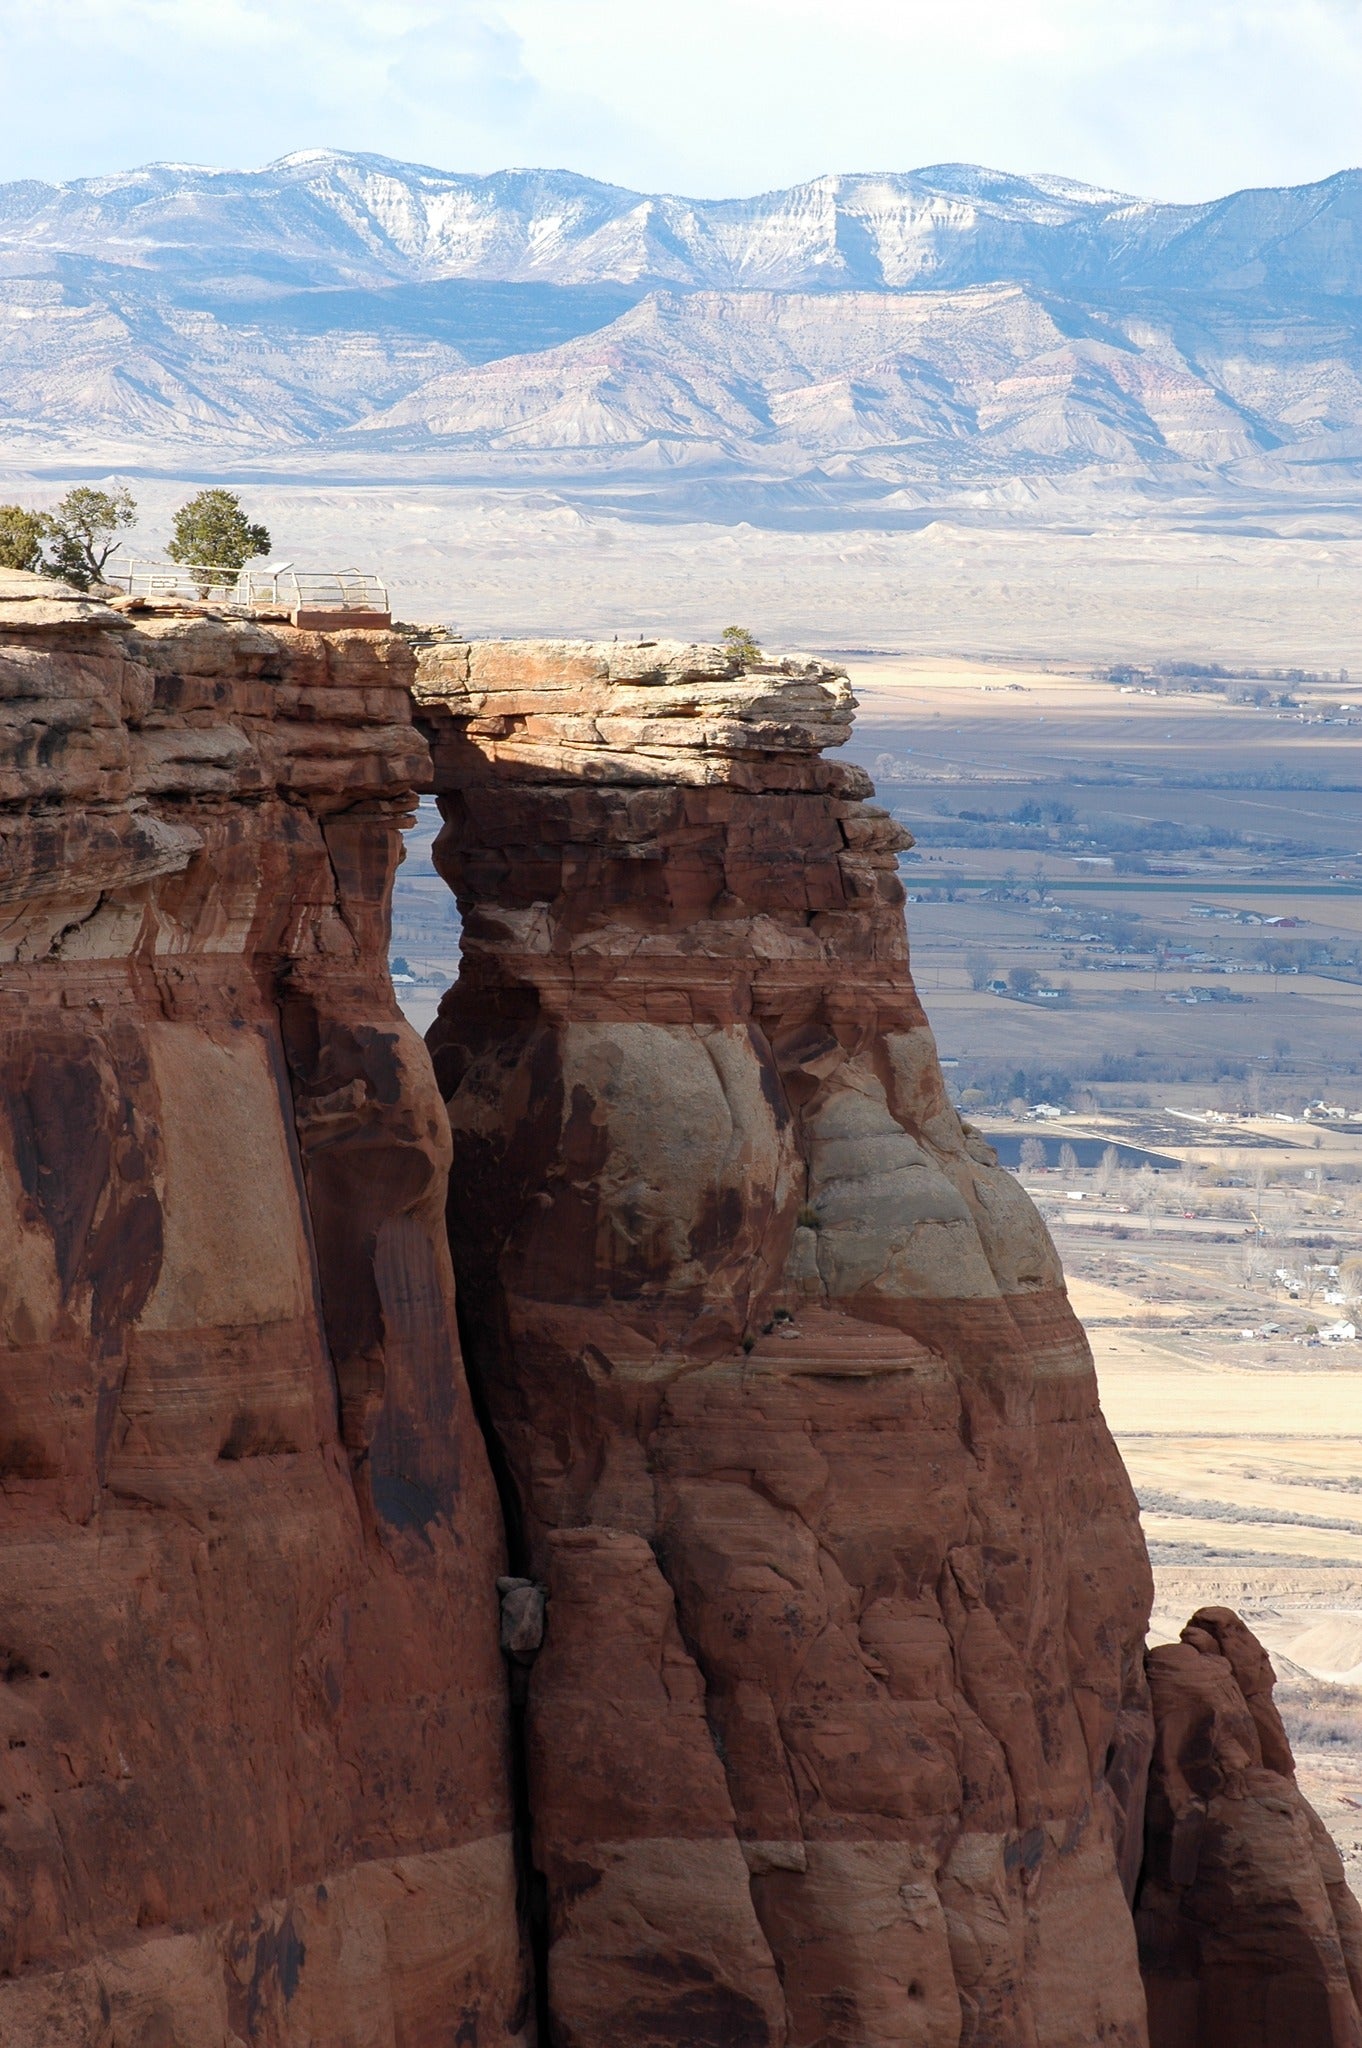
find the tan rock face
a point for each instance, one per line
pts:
(841, 1710)
(1248, 1932)
(253, 1781)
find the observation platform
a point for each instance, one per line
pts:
(318, 600)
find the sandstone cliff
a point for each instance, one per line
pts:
(824, 1719)
(842, 1714)
(253, 1782)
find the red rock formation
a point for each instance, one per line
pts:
(253, 1784)
(837, 1730)
(1249, 1935)
(841, 1709)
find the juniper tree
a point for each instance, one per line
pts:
(212, 532)
(81, 532)
(22, 534)
(741, 645)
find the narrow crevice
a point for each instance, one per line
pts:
(531, 1885)
(508, 1493)
(532, 1891)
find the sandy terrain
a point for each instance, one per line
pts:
(983, 721)
(1263, 1445)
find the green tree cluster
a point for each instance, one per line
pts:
(80, 533)
(22, 534)
(74, 541)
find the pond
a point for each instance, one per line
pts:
(1008, 1144)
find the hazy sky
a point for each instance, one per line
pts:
(1181, 99)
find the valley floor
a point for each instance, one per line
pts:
(1005, 572)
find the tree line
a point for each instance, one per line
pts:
(74, 541)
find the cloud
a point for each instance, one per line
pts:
(1180, 98)
(87, 87)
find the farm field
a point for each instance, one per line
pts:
(1180, 872)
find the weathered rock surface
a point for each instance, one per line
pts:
(1249, 1935)
(253, 1774)
(841, 1715)
(782, 1674)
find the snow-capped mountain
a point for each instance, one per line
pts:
(321, 217)
(943, 322)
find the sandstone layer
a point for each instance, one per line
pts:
(840, 1728)
(253, 1771)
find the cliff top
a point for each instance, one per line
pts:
(106, 706)
(637, 712)
(31, 603)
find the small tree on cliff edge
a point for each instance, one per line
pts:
(212, 532)
(22, 534)
(741, 645)
(81, 530)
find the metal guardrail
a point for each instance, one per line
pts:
(285, 587)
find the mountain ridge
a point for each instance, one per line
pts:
(340, 300)
(353, 209)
